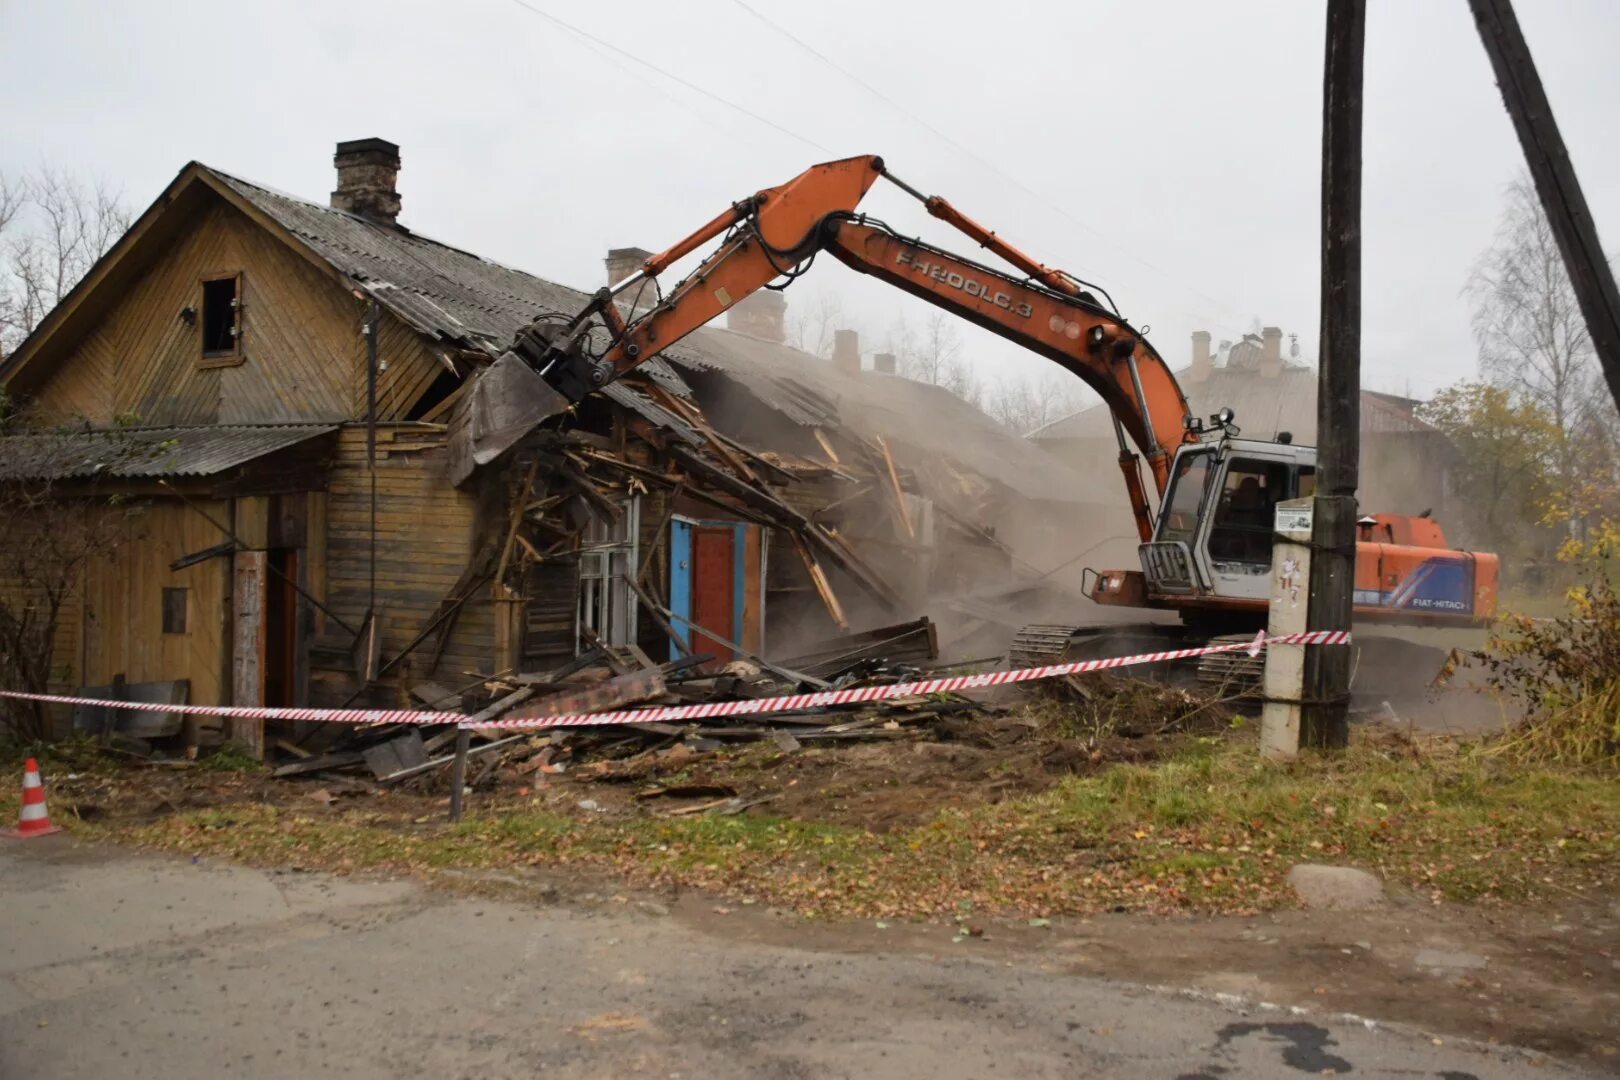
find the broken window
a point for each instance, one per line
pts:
(220, 306)
(174, 611)
(607, 562)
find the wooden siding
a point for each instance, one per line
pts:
(304, 356)
(425, 536)
(121, 624)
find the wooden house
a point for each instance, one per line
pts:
(270, 387)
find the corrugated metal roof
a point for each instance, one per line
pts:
(636, 401)
(146, 452)
(443, 292)
(458, 298)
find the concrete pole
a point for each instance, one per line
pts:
(1285, 664)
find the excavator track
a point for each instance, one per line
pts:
(1056, 643)
(1232, 675)
(1039, 644)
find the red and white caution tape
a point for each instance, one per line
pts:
(753, 707)
(253, 712)
(947, 685)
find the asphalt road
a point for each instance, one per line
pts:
(121, 966)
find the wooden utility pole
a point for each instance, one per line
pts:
(1555, 180)
(1324, 716)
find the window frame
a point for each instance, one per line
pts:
(1244, 534)
(1209, 459)
(184, 608)
(609, 554)
(219, 358)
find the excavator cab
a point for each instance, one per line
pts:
(1210, 555)
(1214, 530)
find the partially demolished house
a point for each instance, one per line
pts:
(293, 403)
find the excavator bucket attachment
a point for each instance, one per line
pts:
(506, 401)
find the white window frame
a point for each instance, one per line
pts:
(610, 553)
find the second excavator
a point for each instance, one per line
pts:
(1205, 552)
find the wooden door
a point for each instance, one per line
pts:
(714, 587)
(281, 628)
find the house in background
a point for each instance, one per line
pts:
(1403, 458)
(288, 398)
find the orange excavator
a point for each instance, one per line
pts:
(1206, 552)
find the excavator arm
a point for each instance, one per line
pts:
(775, 232)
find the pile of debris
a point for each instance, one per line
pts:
(605, 679)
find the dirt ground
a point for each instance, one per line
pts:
(1543, 976)
(964, 761)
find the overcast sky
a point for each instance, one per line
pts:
(1168, 150)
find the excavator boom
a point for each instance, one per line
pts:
(1208, 557)
(773, 234)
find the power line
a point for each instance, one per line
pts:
(959, 147)
(587, 36)
(653, 86)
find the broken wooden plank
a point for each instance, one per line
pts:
(439, 762)
(516, 520)
(323, 761)
(894, 485)
(818, 577)
(228, 547)
(619, 691)
(292, 748)
(501, 707)
(435, 696)
(367, 652)
(656, 612)
(826, 446)
(915, 640)
(401, 752)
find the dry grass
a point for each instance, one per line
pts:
(1209, 829)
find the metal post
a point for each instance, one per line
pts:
(1554, 175)
(374, 313)
(458, 772)
(458, 767)
(1324, 718)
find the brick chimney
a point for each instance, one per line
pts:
(367, 172)
(883, 363)
(622, 262)
(847, 351)
(761, 314)
(1271, 362)
(1201, 363)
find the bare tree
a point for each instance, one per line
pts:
(933, 354)
(813, 331)
(47, 543)
(1532, 337)
(53, 228)
(1024, 405)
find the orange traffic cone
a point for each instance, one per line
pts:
(34, 819)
